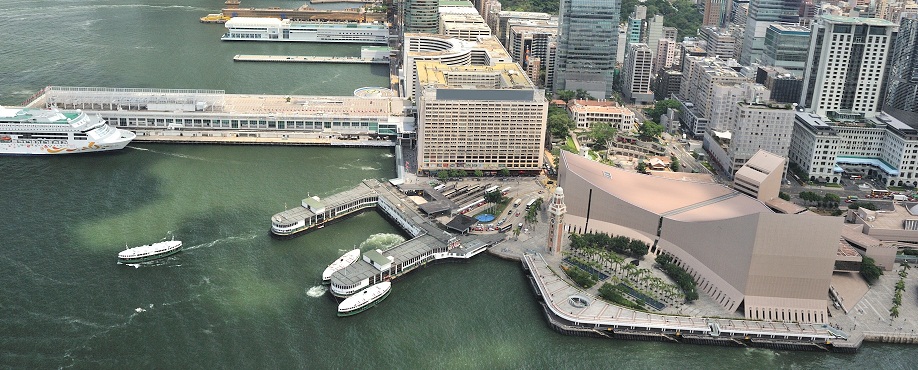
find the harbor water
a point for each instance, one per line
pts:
(235, 297)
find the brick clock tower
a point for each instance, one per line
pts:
(556, 222)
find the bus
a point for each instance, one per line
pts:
(505, 228)
(531, 202)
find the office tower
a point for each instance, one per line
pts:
(479, 118)
(846, 65)
(756, 125)
(715, 13)
(636, 74)
(785, 87)
(902, 93)
(653, 32)
(763, 13)
(786, 46)
(587, 46)
(634, 31)
(422, 16)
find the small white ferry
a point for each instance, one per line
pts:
(365, 299)
(344, 261)
(51, 131)
(150, 252)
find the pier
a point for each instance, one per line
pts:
(307, 59)
(427, 242)
(572, 311)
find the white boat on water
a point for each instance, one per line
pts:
(344, 261)
(364, 299)
(52, 131)
(150, 252)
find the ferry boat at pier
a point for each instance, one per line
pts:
(365, 299)
(150, 252)
(51, 131)
(346, 260)
(273, 29)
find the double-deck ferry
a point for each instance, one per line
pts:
(150, 252)
(51, 131)
(344, 261)
(365, 299)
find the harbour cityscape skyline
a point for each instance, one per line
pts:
(254, 289)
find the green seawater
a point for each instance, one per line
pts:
(234, 297)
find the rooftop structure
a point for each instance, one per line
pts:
(774, 266)
(760, 177)
(484, 51)
(463, 23)
(214, 109)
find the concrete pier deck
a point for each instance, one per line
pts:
(598, 318)
(306, 59)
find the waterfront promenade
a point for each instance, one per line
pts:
(255, 138)
(306, 59)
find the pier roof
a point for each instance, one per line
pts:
(300, 213)
(361, 270)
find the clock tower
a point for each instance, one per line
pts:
(556, 222)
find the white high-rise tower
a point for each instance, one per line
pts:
(556, 222)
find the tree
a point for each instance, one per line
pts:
(493, 197)
(443, 175)
(784, 196)
(650, 131)
(831, 200)
(583, 95)
(601, 133)
(504, 172)
(869, 270)
(674, 163)
(641, 167)
(660, 107)
(565, 95)
(479, 173)
(560, 125)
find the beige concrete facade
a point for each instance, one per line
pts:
(772, 266)
(761, 176)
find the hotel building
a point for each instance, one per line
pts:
(479, 118)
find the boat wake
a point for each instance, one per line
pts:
(221, 240)
(177, 155)
(316, 291)
(381, 241)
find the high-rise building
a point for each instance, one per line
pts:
(902, 93)
(763, 13)
(715, 13)
(422, 16)
(450, 51)
(786, 46)
(479, 118)
(463, 23)
(669, 54)
(653, 32)
(784, 86)
(754, 126)
(531, 40)
(501, 25)
(667, 83)
(587, 46)
(719, 42)
(846, 66)
(636, 74)
(634, 32)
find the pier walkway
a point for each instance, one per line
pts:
(306, 59)
(600, 319)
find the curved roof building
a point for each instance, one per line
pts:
(746, 257)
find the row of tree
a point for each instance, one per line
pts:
(619, 244)
(900, 287)
(447, 174)
(828, 200)
(613, 294)
(582, 278)
(682, 278)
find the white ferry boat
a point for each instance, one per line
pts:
(50, 131)
(346, 260)
(365, 299)
(150, 252)
(273, 29)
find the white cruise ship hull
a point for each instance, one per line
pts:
(28, 131)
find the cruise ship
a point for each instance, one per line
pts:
(367, 298)
(51, 131)
(273, 29)
(150, 252)
(344, 261)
